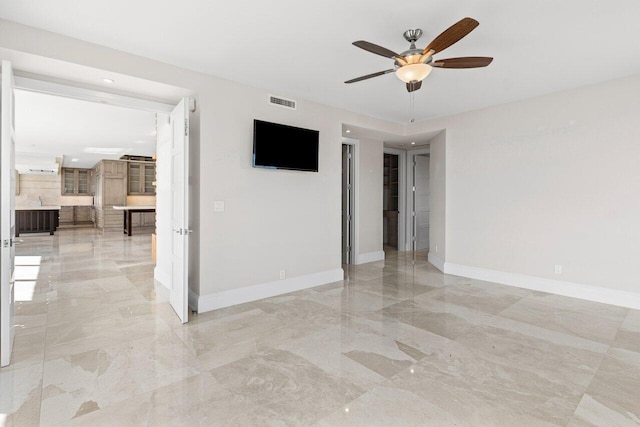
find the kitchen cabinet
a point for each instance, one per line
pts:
(143, 219)
(71, 216)
(43, 219)
(110, 180)
(141, 178)
(76, 181)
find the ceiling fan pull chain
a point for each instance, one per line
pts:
(412, 107)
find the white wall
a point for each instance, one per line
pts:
(274, 219)
(437, 199)
(370, 197)
(546, 181)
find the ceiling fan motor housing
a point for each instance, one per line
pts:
(412, 36)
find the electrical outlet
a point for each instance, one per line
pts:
(558, 269)
(283, 274)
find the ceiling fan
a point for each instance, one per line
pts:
(414, 65)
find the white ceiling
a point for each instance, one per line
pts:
(303, 49)
(81, 130)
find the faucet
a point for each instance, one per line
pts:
(39, 201)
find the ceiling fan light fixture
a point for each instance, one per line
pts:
(413, 72)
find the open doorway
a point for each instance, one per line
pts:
(390, 200)
(347, 203)
(421, 201)
(93, 263)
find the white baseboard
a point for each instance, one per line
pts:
(558, 287)
(435, 261)
(204, 303)
(162, 276)
(369, 257)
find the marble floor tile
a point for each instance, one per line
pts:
(556, 362)
(390, 407)
(73, 336)
(194, 401)
(479, 392)
(397, 343)
(613, 396)
(441, 318)
(590, 320)
(84, 382)
(283, 386)
(20, 392)
(478, 296)
(628, 336)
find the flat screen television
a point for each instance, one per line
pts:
(277, 146)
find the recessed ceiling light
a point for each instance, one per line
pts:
(348, 131)
(413, 143)
(75, 160)
(106, 80)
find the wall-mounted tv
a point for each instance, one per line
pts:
(277, 146)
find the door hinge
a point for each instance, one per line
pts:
(186, 128)
(413, 188)
(348, 155)
(5, 243)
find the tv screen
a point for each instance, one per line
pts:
(277, 146)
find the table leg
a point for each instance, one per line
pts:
(130, 224)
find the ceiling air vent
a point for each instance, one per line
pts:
(282, 102)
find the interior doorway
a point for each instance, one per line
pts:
(421, 201)
(134, 179)
(390, 200)
(347, 203)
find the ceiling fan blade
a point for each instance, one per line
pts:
(413, 86)
(466, 62)
(368, 76)
(374, 48)
(451, 35)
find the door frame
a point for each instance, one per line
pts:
(402, 197)
(347, 198)
(92, 95)
(410, 231)
(355, 189)
(8, 187)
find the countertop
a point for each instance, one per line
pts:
(40, 208)
(134, 207)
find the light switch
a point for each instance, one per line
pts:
(218, 206)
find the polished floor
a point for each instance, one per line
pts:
(398, 344)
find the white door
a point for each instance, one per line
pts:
(180, 210)
(347, 203)
(7, 214)
(421, 208)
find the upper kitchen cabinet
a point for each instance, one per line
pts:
(76, 182)
(142, 178)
